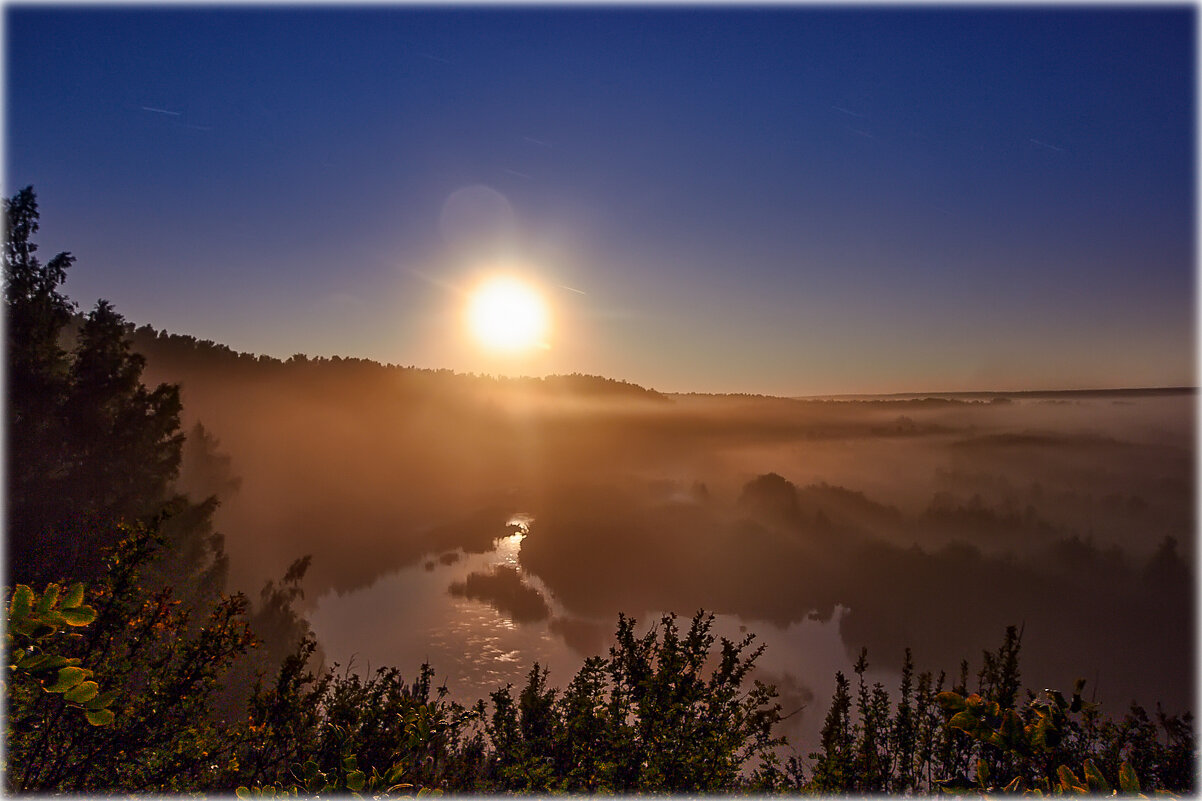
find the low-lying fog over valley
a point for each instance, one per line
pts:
(742, 399)
(482, 524)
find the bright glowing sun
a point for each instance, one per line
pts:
(507, 314)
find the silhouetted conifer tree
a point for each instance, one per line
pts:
(89, 445)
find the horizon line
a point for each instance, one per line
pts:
(132, 327)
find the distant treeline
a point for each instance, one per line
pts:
(187, 353)
(129, 667)
(1002, 395)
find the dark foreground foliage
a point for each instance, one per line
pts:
(664, 711)
(121, 688)
(150, 679)
(989, 739)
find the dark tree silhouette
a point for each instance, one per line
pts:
(89, 445)
(36, 376)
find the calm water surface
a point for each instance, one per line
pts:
(409, 617)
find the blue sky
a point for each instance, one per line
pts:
(789, 200)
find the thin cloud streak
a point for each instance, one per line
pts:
(1045, 144)
(849, 112)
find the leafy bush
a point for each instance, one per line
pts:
(957, 741)
(33, 643)
(664, 712)
(159, 732)
(647, 718)
(92, 457)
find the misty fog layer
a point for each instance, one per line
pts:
(935, 521)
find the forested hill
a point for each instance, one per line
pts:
(136, 669)
(180, 357)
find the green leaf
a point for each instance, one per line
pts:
(68, 677)
(98, 717)
(982, 773)
(21, 604)
(84, 691)
(26, 626)
(41, 663)
(1094, 778)
(242, 792)
(1069, 781)
(950, 702)
(102, 700)
(54, 662)
(354, 780)
(350, 763)
(74, 596)
(1043, 734)
(1127, 778)
(1051, 737)
(40, 627)
(49, 598)
(1012, 729)
(966, 721)
(79, 616)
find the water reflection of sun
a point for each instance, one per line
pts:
(508, 548)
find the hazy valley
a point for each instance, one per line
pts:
(929, 521)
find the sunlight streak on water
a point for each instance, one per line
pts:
(471, 645)
(476, 650)
(508, 549)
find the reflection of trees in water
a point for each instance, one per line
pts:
(780, 557)
(503, 589)
(406, 464)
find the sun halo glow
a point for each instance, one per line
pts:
(507, 314)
